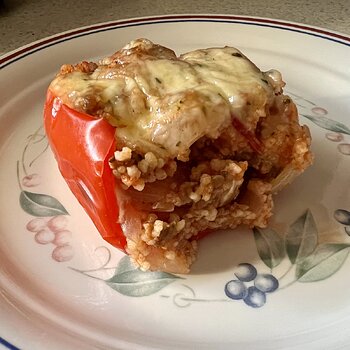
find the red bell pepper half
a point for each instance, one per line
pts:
(82, 146)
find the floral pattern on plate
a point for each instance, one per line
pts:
(307, 260)
(50, 222)
(317, 115)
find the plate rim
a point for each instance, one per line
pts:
(25, 50)
(7, 344)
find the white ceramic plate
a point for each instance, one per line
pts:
(54, 297)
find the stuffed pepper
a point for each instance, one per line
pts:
(160, 149)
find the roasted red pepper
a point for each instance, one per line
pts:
(82, 146)
(253, 141)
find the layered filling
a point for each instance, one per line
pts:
(203, 141)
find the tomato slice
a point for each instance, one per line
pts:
(253, 141)
(82, 146)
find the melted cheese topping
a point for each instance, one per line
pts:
(162, 103)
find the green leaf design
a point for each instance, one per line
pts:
(328, 124)
(301, 238)
(38, 204)
(270, 246)
(124, 265)
(133, 282)
(326, 260)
